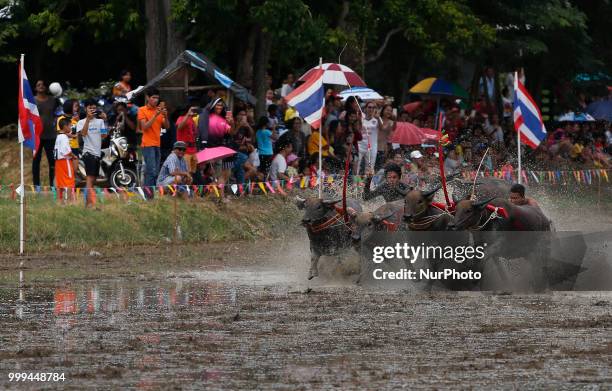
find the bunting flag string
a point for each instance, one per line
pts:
(587, 177)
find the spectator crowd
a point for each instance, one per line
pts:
(280, 145)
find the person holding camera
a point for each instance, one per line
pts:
(92, 129)
(151, 118)
(186, 131)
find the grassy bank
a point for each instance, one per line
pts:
(119, 223)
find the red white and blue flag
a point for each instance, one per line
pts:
(30, 125)
(309, 99)
(527, 116)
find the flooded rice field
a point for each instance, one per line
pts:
(245, 329)
(243, 316)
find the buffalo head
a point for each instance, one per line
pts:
(467, 214)
(315, 209)
(417, 202)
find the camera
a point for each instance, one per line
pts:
(98, 113)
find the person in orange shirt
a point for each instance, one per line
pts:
(151, 118)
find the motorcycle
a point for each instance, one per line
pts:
(118, 165)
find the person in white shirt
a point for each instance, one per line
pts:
(64, 172)
(287, 86)
(92, 129)
(278, 168)
(371, 126)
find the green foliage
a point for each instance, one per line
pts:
(106, 21)
(553, 37)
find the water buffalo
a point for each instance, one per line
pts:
(481, 216)
(485, 218)
(387, 217)
(485, 188)
(421, 215)
(327, 231)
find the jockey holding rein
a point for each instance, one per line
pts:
(391, 189)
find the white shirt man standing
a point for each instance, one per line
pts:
(92, 130)
(371, 126)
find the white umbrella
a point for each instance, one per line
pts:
(363, 93)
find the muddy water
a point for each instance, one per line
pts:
(244, 317)
(238, 328)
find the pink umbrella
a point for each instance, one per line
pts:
(409, 134)
(337, 74)
(215, 153)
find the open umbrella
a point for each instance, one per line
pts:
(363, 93)
(408, 134)
(434, 86)
(215, 153)
(412, 106)
(601, 110)
(575, 117)
(336, 74)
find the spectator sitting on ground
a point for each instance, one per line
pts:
(293, 163)
(175, 171)
(278, 167)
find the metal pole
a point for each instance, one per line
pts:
(518, 129)
(518, 141)
(321, 142)
(22, 187)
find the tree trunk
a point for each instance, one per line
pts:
(244, 74)
(163, 41)
(405, 84)
(155, 37)
(175, 43)
(260, 66)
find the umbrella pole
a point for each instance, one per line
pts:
(438, 126)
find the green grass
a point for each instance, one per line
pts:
(118, 222)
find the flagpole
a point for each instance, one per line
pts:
(22, 187)
(321, 141)
(518, 133)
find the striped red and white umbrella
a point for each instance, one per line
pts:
(337, 74)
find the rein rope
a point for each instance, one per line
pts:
(424, 223)
(334, 221)
(494, 215)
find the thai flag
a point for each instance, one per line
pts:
(527, 117)
(30, 125)
(309, 99)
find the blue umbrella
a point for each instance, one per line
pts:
(575, 117)
(601, 110)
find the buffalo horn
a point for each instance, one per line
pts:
(429, 193)
(482, 204)
(331, 202)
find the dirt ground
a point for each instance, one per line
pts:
(243, 316)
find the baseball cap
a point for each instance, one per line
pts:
(416, 155)
(179, 145)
